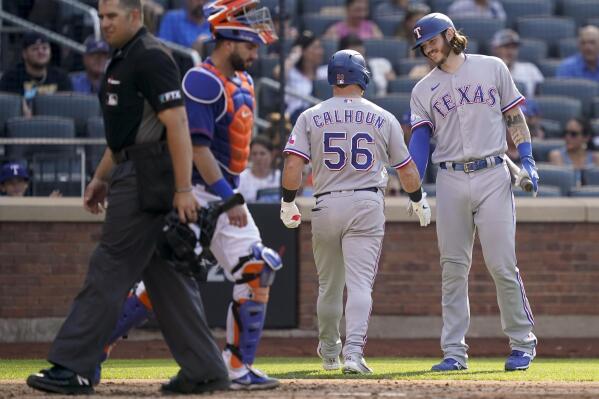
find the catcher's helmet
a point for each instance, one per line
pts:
(240, 20)
(348, 67)
(430, 26)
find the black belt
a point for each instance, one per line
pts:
(373, 189)
(471, 166)
(140, 151)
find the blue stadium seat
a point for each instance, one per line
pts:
(542, 148)
(591, 176)
(550, 29)
(267, 66)
(388, 25)
(585, 191)
(290, 6)
(559, 108)
(593, 21)
(567, 47)
(528, 8)
(548, 66)
(396, 103)
(473, 47)
(545, 190)
(440, 5)
(79, 107)
(11, 106)
(39, 127)
(582, 89)
(56, 172)
(480, 29)
(580, 10)
(391, 49)
(322, 89)
(532, 50)
(309, 7)
(405, 65)
(330, 47)
(563, 177)
(553, 129)
(318, 24)
(595, 107)
(595, 128)
(403, 84)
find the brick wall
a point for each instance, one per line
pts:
(43, 264)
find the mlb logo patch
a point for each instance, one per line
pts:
(292, 139)
(112, 100)
(340, 78)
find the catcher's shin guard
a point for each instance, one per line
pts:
(245, 318)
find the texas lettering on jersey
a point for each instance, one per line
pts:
(468, 94)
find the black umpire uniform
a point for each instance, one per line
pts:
(141, 80)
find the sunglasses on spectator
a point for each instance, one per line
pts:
(573, 133)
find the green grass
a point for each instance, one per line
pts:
(557, 370)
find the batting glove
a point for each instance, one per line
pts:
(290, 214)
(529, 170)
(422, 209)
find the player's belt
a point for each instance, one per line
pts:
(472, 166)
(373, 189)
(139, 150)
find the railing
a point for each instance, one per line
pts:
(90, 11)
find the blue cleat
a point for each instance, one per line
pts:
(254, 380)
(449, 364)
(518, 360)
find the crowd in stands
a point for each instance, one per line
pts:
(550, 47)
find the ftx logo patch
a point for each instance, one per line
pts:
(169, 96)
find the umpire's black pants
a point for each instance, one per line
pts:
(125, 255)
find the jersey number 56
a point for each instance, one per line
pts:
(361, 157)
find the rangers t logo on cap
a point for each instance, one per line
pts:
(417, 32)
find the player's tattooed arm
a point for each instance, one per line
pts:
(516, 126)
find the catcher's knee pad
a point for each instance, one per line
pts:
(251, 268)
(248, 322)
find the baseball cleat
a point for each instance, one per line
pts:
(328, 363)
(254, 380)
(449, 364)
(518, 360)
(180, 384)
(355, 364)
(60, 380)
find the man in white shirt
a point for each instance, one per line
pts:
(505, 44)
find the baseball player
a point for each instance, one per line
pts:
(349, 141)
(219, 98)
(466, 103)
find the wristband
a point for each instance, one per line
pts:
(288, 195)
(525, 149)
(222, 189)
(416, 196)
(184, 190)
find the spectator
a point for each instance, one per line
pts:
(576, 152)
(186, 26)
(380, 68)
(94, 60)
(277, 137)
(533, 118)
(584, 64)
(506, 45)
(392, 8)
(405, 30)
(14, 181)
(260, 182)
(476, 8)
(34, 75)
(356, 21)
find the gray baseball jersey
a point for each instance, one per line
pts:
(350, 140)
(465, 109)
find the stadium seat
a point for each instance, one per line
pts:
(559, 108)
(440, 5)
(330, 47)
(567, 47)
(532, 50)
(548, 66)
(79, 107)
(582, 89)
(563, 177)
(314, 7)
(396, 103)
(595, 107)
(549, 29)
(591, 176)
(391, 49)
(56, 172)
(595, 128)
(480, 29)
(388, 24)
(404, 66)
(553, 129)
(580, 10)
(542, 148)
(545, 190)
(585, 191)
(593, 21)
(472, 47)
(528, 8)
(267, 66)
(403, 84)
(318, 24)
(322, 89)
(11, 106)
(39, 127)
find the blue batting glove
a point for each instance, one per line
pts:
(528, 164)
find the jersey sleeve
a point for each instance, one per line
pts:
(158, 79)
(299, 139)
(204, 103)
(418, 114)
(399, 155)
(508, 92)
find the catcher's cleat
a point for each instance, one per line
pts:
(60, 380)
(519, 360)
(449, 364)
(254, 380)
(328, 363)
(180, 384)
(355, 364)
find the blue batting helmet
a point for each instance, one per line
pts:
(430, 26)
(348, 67)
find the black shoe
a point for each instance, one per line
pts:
(180, 384)
(60, 380)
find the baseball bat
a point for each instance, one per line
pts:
(526, 183)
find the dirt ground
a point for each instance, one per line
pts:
(346, 389)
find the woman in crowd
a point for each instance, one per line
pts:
(356, 21)
(260, 182)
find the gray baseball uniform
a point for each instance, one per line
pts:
(349, 141)
(465, 110)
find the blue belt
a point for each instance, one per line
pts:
(471, 166)
(373, 189)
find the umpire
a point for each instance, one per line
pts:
(146, 127)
